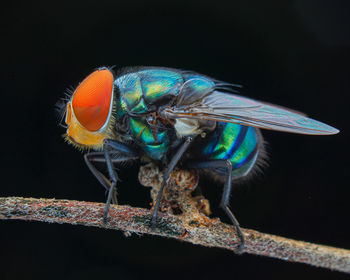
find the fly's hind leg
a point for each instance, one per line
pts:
(227, 166)
(124, 154)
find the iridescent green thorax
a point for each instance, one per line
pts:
(139, 93)
(142, 92)
(139, 90)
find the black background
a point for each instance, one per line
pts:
(292, 53)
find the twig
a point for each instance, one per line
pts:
(210, 232)
(183, 217)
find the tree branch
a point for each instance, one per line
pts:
(212, 234)
(190, 224)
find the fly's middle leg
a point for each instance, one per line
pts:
(175, 159)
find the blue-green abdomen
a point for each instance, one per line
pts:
(234, 142)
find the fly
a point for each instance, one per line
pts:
(173, 116)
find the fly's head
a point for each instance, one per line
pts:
(89, 111)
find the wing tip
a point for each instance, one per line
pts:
(327, 130)
(332, 131)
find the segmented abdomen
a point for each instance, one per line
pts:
(237, 143)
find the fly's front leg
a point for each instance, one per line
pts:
(113, 178)
(227, 165)
(166, 175)
(124, 152)
(93, 157)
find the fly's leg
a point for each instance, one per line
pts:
(166, 175)
(227, 165)
(90, 158)
(125, 154)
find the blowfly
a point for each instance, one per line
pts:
(172, 117)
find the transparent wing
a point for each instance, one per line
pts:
(224, 107)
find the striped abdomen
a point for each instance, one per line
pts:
(239, 144)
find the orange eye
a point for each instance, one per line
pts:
(92, 99)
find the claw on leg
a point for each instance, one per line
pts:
(111, 193)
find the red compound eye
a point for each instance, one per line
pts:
(92, 99)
